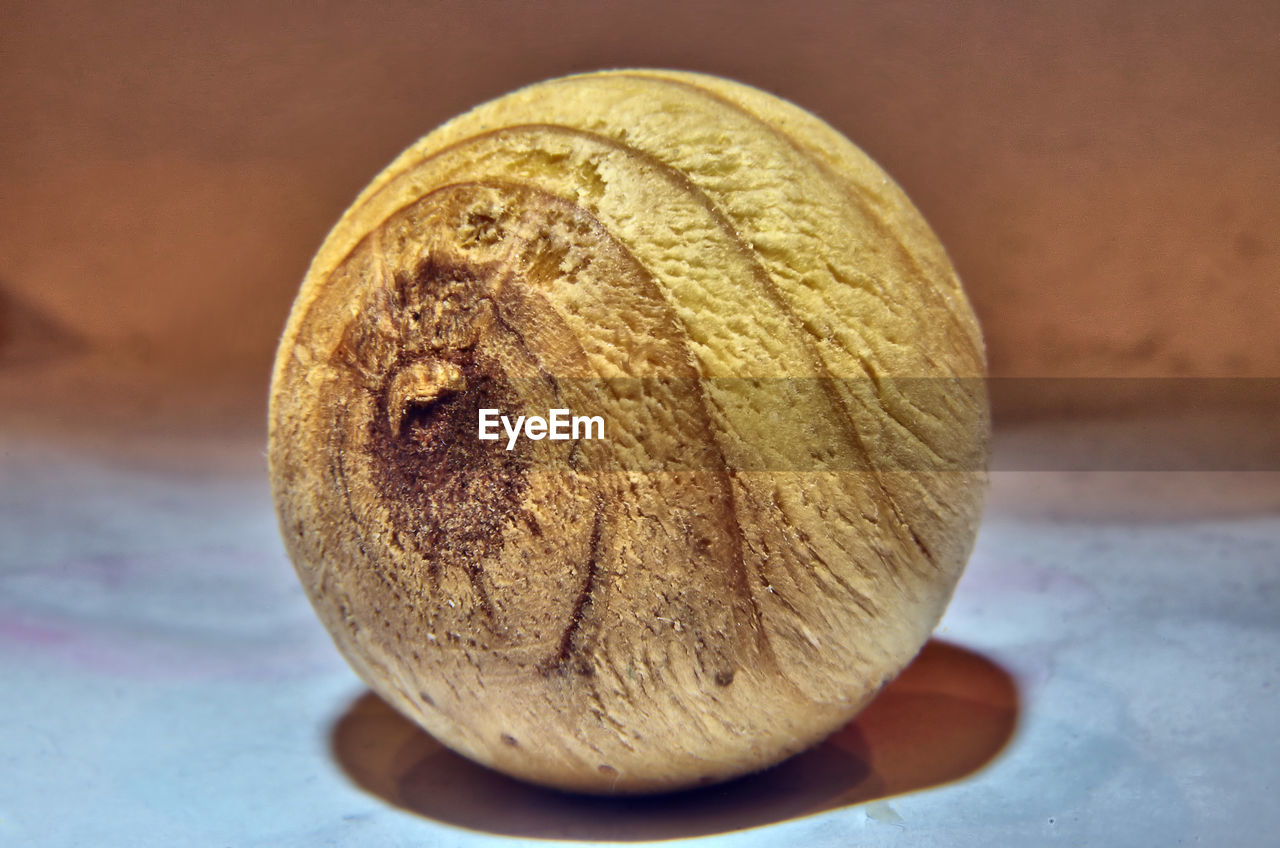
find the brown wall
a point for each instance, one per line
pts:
(1105, 175)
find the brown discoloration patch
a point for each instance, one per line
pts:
(447, 326)
(450, 497)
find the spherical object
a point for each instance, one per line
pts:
(628, 431)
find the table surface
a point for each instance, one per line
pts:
(1106, 673)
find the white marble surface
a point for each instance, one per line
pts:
(165, 682)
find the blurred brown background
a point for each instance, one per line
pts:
(1104, 174)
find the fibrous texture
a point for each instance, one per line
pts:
(789, 380)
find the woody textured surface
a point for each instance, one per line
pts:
(556, 610)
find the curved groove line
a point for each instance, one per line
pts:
(566, 650)
(834, 177)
